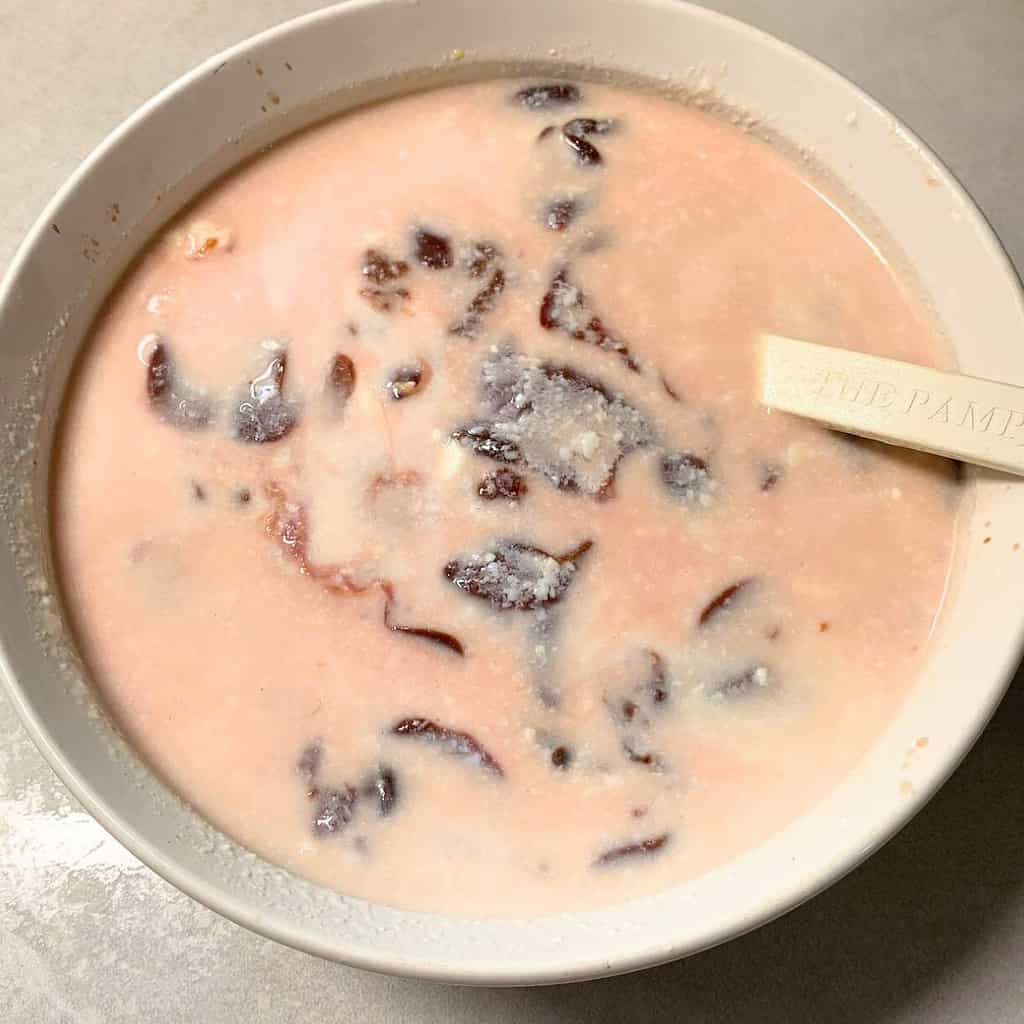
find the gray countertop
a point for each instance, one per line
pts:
(931, 929)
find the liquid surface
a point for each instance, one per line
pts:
(420, 527)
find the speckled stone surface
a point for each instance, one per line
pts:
(931, 929)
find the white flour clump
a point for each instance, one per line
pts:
(557, 422)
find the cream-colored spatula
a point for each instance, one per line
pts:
(966, 418)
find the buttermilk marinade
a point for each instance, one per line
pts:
(420, 525)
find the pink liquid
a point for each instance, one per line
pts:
(616, 721)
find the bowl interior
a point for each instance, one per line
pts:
(362, 51)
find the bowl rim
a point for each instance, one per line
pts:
(569, 968)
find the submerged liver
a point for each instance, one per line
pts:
(421, 529)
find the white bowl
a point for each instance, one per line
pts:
(325, 63)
